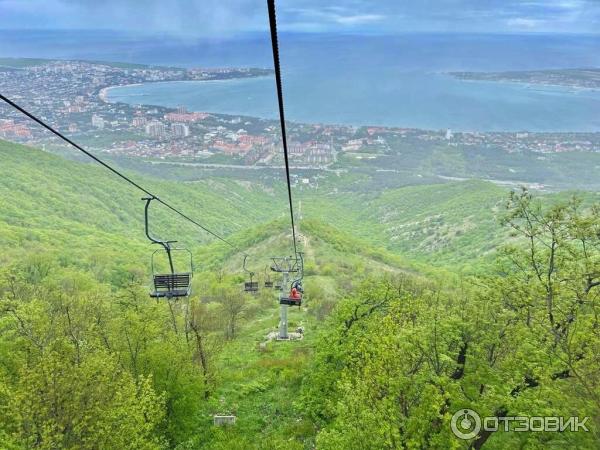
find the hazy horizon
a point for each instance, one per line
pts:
(219, 19)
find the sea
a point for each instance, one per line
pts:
(399, 80)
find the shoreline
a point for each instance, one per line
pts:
(526, 84)
(105, 90)
(102, 93)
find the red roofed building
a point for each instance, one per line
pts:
(232, 148)
(185, 117)
(253, 140)
(9, 128)
(375, 130)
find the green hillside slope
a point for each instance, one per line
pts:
(47, 201)
(441, 223)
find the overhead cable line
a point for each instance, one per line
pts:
(275, 45)
(115, 171)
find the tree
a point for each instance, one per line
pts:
(63, 388)
(204, 325)
(233, 306)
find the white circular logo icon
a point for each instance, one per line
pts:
(465, 424)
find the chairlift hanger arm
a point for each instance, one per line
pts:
(165, 244)
(246, 269)
(300, 262)
(154, 240)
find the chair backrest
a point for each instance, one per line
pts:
(172, 281)
(251, 286)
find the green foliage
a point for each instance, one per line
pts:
(65, 386)
(400, 356)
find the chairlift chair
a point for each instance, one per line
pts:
(250, 286)
(173, 284)
(268, 282)
(287, 299)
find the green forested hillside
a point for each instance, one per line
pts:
(43, 187)
(66, 201)
(398, 336)
(440, 223)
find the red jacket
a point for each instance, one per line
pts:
(295, 294)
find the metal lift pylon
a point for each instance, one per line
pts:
(285, 266)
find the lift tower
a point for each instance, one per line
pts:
(285, 265)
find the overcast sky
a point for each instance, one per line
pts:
(222, 18)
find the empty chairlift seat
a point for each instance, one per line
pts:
(268, 282)
(251, 286)
(172, 285)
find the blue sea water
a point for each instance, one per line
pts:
(413, 99)
(396, 80)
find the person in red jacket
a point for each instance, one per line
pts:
(295, 294)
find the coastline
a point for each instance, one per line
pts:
(102, 93)
(526, 84)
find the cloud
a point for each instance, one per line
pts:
(328, 16)
(179, 17)
(359, 19)
(216, 18)
(526, 23)
(578, 16)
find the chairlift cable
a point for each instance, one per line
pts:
(275, 45)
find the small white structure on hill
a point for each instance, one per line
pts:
(222, 420)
